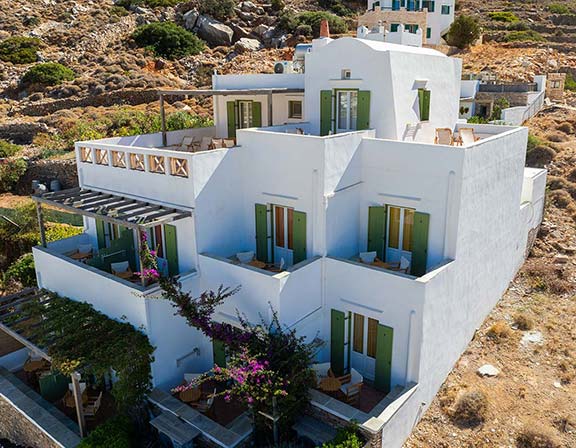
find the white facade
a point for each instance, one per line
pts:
(479, 201)
(439, 17)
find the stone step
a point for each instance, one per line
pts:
(315, 430)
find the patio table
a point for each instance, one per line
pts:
(330, 384)
(190, 395)
(257, 264)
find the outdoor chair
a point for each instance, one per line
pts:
(205, 406)
(245, 257)
(189, 144)
(368, 257)
(217, 143)
(321, 371)
(352, 388)
(92, 407)
(344, 379)
(82, 252)
(467, 136)
(229, 142)
(122, 270)
(444, 136)
(205, 143)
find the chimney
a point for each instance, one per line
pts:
(324, 28)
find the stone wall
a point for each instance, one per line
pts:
(555, 86)
(121, 97)
(371, 19)
(21, 133)
(46, 171)
(16, 427)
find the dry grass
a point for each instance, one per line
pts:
(470, 408)
(499, 332)
(534, 435)
(523, 322)
(566, 127)
(547, 277)
(540, 156)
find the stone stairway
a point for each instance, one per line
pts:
(315, 430)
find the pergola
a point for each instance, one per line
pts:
(221, 92)
(115, 209)
(16, 327)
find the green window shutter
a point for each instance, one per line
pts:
(256, 114)
(377, 231)
(428, 33)
(171, 249)
(325, 112)
(424, 103)
(231, 108)
(383, 371)
(219, 352)
(363, 118)
(431, 6)
(337, 330)
(394, 27)
(261, 232)
(420, 243)
(101, 233)
(299, 237)
(53, 386)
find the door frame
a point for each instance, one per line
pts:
(400, 251)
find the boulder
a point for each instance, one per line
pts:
(247, 17)
(245, 44)
(248, 6)
(239, 32)
(262, 30)
(190, 18)
(214, 32)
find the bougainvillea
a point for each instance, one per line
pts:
(267, 363)
(149, 269)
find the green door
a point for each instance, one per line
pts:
(325, 112)
(171, 249)
(261, 232)
(256, 114)
(219, 353)
(383, 372)
(424, 102)
(337, 331)
(101, 233)
(377, 231)
(420, 244)
(299, 237)
(231, 111)
(363, 118)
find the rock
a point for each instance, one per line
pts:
(262, 30)
(245, 44)
(561, 259)
(214, 32)
(557, 384)
(488, 370)
(248, 17)
(239, 32)
(294, 40)
(532, 337)
(248, 6)
(190, 18)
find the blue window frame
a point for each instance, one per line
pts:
(395, 5)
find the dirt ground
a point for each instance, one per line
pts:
(536, 385)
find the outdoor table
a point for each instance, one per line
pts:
(257, 264)
(80, 256)
(381, 264)
(330, 384)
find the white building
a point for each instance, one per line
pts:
(430, 18)
(327, 165)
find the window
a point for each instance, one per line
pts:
(555, 84)
(428, 33)
(284, 227)
(358, 342)
(346, 74)
(412, 28)
(375, 6)
(394, 27)
(424, 104)
(445, 9)
(429, 4)
(246, 118)
(395, 5)
(347, 110)
(294, 109)
(372, 335)
(400, 228)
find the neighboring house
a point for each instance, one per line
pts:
(481, 94)
(327, 166)
(430, 18)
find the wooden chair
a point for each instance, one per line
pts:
(92, 407)
(353, 387)
(444, 136)
(205, 143)
(229, 142)
(467, 136)
(122, 270)
(344, 379)
(217, 143)
(205, 406)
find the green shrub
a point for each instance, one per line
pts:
(118, 11)
(499, 105)
(11, 170)
(219, 9)
(19, 50)
(22, 271)
(168, 40)
(518, 26)
(117, 432)
(149, 3)
(303, 30)
(8, 149)
(463, 32)
(477, 119)
(503, 16)
(277, 5)
(570, 83)
(345, 438)
(557, 8)
(521, 36)
(290, 22)
(48, 74)
(336, 6)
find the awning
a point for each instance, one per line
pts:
(127, 212)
